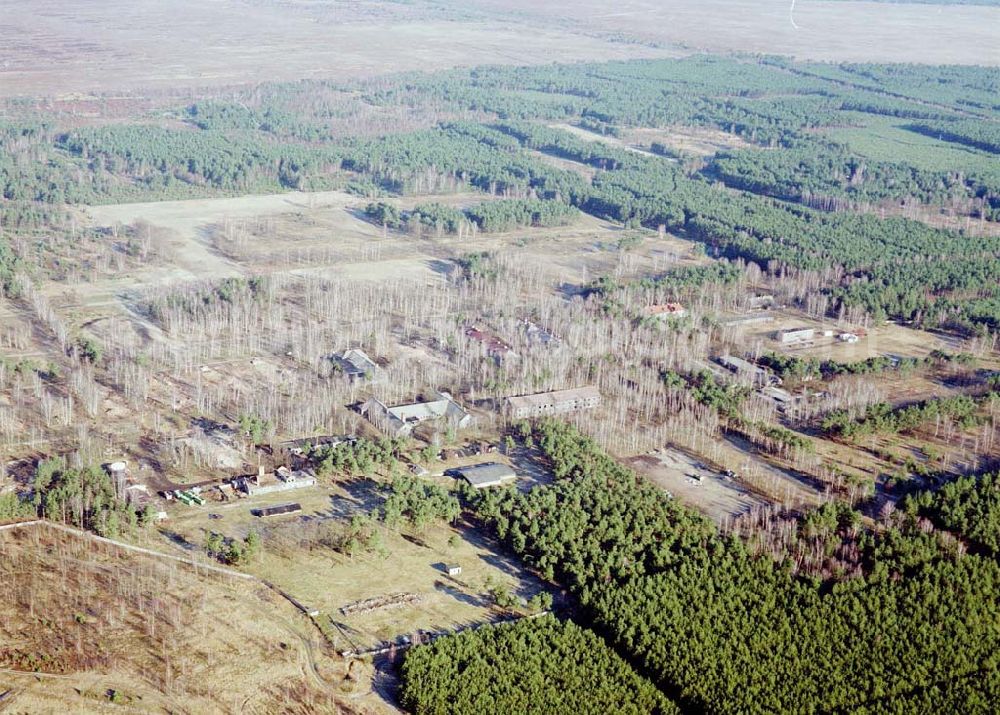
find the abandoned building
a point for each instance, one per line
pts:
(760, 302)
(553, 403)
(748, 320)
(792, 336)
(282, 480)
(303, 446)
(485, 475)
(277, 510)
(757, 375)
(538, 335)
(400, 421)
(495, 348)
(356, 366)
(666, 310)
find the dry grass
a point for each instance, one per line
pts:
(77, 49)
(696, 141)
(834, 31)
(96, 620)
(295, 560)
(55, 47)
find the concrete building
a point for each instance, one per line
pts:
(283, 480)
(792, 336)
(278, 510)
(400, 421)
(760, 302)
(304, 445)
(356, 365)
(553, 403)
(779, 396)
(488, 474)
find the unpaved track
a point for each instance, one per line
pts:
(188, 223)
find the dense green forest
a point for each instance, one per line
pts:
(968, 506)
(901, 620)
(489, 217)
(540, 665)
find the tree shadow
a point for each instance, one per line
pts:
(178, 539)
(416, 541)
(460, 595)
(362, 498)
(441, 267)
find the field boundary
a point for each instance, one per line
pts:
(130, 547)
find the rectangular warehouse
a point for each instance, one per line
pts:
(488, 474)
(795, 335)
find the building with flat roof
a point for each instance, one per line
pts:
(795, 335)
(283, 480)
(553, 403)
(748, 320)
(400, 421)
(277, 510)
(485, 475)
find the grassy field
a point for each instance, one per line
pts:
(67, 48)
(411, 562)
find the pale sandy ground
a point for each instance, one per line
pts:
(713, 495)
(73, 47)
(817, 30)
(61, 47)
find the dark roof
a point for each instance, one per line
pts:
(279, 509)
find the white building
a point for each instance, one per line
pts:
(795, 335)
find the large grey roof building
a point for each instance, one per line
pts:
(487, 474)
(399, 421)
